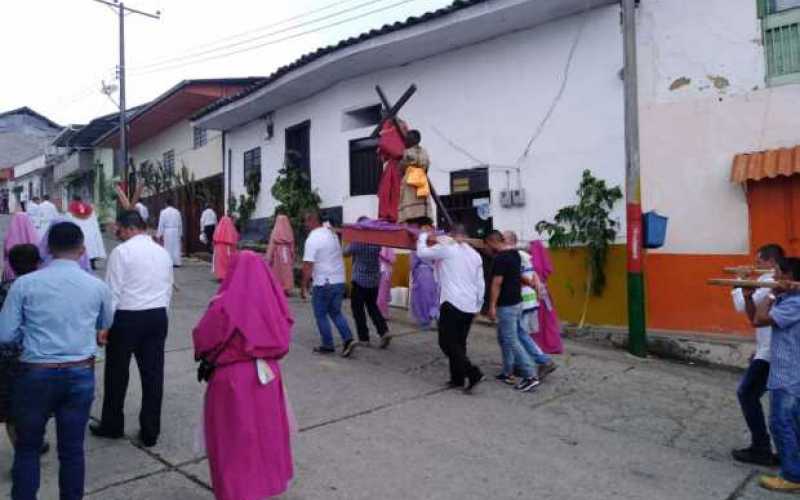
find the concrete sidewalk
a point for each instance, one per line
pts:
(380, 425)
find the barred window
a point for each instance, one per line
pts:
(365, 167)
(168, 162)
(781, 25)
(200, 137)
(252, 163)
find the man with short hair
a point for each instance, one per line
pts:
(170, 231)
(140, 277)
(323, 266)
(208, 223)
(56, 313)
(505, 306)
(460, 270)
(366, 273)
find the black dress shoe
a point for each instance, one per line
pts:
(146, 442)
(757, 457)
(99, 431)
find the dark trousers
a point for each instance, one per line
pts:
(39, 393)
(141, 334)
(365, 300)
(751, 389)
(454, 328)
(209, 232)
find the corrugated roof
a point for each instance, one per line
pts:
(25, 110)
(766, 164)
(348, 42)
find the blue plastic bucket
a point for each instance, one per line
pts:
(654, 229)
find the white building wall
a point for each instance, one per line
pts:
(204, 162)
(488, 99)
(703, 99)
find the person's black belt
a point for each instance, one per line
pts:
(84, 363)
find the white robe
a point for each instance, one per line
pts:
(143, 212)
(34, 211)
(92, 238)
(170, 228)
(48, 213)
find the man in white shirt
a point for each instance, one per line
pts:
(208, 223)
(144, 213)
(140, 277)
(323, 266)
(463, 287)
(170, 231)
(753, 385)
(34, 211)
(48, 212)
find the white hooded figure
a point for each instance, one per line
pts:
(83, 214)
(170, 231)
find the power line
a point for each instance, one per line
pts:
(279, 40)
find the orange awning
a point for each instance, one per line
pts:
(766, 164)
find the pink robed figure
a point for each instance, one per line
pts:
(20, 232)
(387, 260)
(280, 252)
(247, 422)
(549, 335)
(225, 240)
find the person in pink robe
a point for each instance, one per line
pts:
(225, 240)
(549, 335)
(244, 333)
(387, 260)
(281, 254)
(20, 231)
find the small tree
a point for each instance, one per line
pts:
(587, 224)
(294, 195)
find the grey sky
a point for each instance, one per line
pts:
(56, 52)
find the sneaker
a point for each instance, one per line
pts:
(757, 457)
(365, 343)
(348, 348)
(544, 370)
(386, 339)
(777, 483)
(323, 349)
(472, 382)
(506, 379)
(527, 384)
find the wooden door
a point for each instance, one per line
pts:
(774, 206)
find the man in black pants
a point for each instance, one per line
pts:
(364, 290)
(462, 290)
(140, 277)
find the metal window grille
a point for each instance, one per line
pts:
(782, 45)
(365, 167)
(168, 161)
(252, 163)
(200, 137)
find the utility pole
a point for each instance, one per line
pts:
(123, 131)
(637, 329)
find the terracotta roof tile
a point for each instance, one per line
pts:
(766, 164)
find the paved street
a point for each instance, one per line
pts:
(379, 425)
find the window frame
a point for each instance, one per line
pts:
(357, 188)
(771, 21)
(249, 163)
(168, 161)
(199, 137)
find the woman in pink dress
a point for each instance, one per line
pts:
(225, 240)
(244, 333)
(280, 252)
(20, 231)
(549, 335)
(387, 259)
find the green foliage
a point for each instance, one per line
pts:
(107, 195)
(587, 224)
(247, 202)
(294, 196)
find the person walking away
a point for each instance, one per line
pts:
(144, 213)
(424, 291)
(208, 223)
(753, 384)
(48, 212)
(529, 320)
(245, 332)
(281, 254)
(59, 339)
(783, 315)
(24, 259)
(140, 277)
(505, 306)
(387, 258)
(462, 288)
(20, 232)
(364, 290)
(549, 335)
(323, 267)
(225, 240)
(83, 214)
(47, 257)
(170, 231)
(34, 210)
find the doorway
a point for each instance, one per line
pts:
(298, 148)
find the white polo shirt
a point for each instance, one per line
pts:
(323, 249)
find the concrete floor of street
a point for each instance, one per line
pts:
(380, 425)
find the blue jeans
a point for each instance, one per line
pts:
(751, 389)
(327, 302)
(785, 426)
(531, 347)
(39, 393)
(508, 318)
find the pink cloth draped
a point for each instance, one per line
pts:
(20, 232)
(280, 252)
(387, 260)
(549, 335)
(225, 240)
(247, 429)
